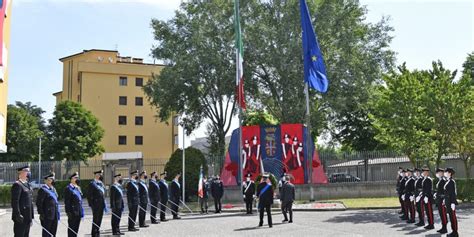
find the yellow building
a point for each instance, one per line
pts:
(5, 40)
(110, 86)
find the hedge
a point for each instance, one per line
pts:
(5, 194)
(465, 188)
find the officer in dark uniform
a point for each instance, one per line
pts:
(163, 195)
(175, 196)
(401, 192)
(154, 195)
(427, 196)
(249, 193)
(205, 195)
(48, 206)
(143, 193)
(450, 200)
(399, 179)
(439, 199)
(418, 197)
(96, 199)
(287, 198)
(73, 204)
(116, 203)
(409, 196)
(265, 199)
(132, 200)
(22, 203)
(217, 191)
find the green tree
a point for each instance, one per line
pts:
(197, 46)
(34, 111)
(356, 54)
(75, 133)
(258, 117)
(22, 135)
(400, 115)
(194, 160)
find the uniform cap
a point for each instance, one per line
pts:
(74, 175)
(99, 172)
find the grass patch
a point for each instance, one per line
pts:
(369, 202)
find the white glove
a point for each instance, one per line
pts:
(403, 197)
(254, 196)
(243, 195)
(418, 199)
(444, 204)
(453, 207)
(434, 196)
(412, 198)
(426, 200)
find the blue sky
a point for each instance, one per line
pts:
(45, 30)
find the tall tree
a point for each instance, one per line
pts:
(34, 111)
(197, 46)
(22, 135)
(356, 54)
(75, 133)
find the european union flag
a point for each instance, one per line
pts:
(314, 69)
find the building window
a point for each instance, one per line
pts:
(139, 101)
(122, 100)
(138, 120)
(123, 81)
(122, 120)
(122, 140)
(138, 140)
(138, 81)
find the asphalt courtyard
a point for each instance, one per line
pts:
(382, 222)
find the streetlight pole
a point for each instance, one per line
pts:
(184, 165)
(39, 161)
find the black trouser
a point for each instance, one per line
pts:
(97, 214)
(203, 204)
(163, 204)
(132, 214)
(22, 229)
(442, 213)
(153, 211)
(73, 223)
(248, 205)
(429, 211)
(452, 218)
(142, 213)
(410, 206)
(175, 207)
(217, 204)
(420, 208)
(268, 209)
(49, 225)
(285, 208)
(117, 215)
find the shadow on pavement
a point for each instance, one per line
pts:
(265, 226)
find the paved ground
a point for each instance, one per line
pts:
(327, 223)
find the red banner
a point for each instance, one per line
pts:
(293, 151)
(251, 150)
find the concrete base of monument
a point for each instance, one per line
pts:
(312, 206)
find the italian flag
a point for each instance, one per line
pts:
(239, 50)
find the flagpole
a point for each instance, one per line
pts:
(308, 144)
(239, 100)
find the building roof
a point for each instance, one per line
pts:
(56, 93)
(86, 51)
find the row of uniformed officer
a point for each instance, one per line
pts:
(22, 203)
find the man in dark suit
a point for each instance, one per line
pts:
(217, 190)
(96, 199)
(418, 197)
(143, 193)
(133, 200)
(73, 204)
(439, 199)
(175, 196)
(163, 195)
(427, 195)
(409, 196)
(22, 203)
(401, 192)
(450, 200)
(265, 199)
(116, 203)
(154, 195)
(287, 199)
(48, 206)
(249, 193)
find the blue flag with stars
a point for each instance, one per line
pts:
(314, 69)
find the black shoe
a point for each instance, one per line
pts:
(285, 220)
(270, 226)
(155, 222)
(144, 226)
(453, 234)
(260, 224)
(400, 212)
(420, 224)
(133, 229)
(410, 221)
(291, 221)
(176, 217)
(163, 220)
(429, 227)
(442, 231)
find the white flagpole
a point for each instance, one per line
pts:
(308, 144)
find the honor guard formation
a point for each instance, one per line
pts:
(416, 196)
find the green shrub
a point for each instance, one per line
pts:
(194, 160)
(465, 188)
(5, 194)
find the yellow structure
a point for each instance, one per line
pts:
(110, 86)
(4, 73)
